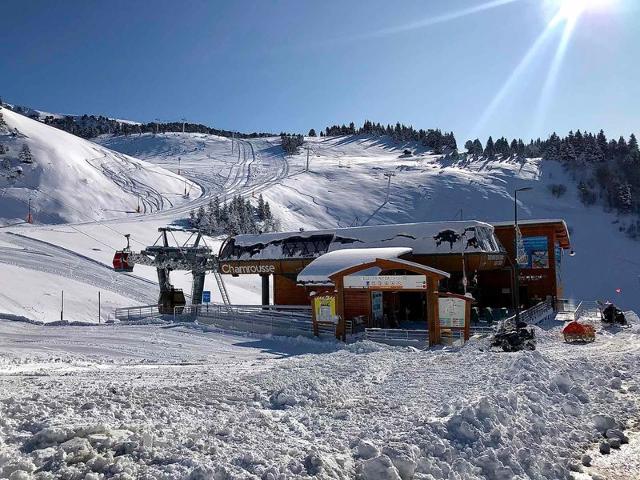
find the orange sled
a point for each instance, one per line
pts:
(578, 332)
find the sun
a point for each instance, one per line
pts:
(572, 9)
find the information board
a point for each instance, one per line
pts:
(325, 309)
(452, 312)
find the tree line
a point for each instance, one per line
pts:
(235, 217)
(433, 139)
(91, 126)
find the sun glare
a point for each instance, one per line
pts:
(571, 9)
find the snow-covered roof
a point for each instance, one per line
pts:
(427, 238)
(319, 270)
(528, 222)
(562, 231)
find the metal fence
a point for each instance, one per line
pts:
(137, 313)
(269, 319)
(538, 313)
(588, 309)
(482, 329)
(398, 337)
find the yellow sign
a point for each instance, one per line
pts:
(325, 309)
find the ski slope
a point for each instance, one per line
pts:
(346, 185)
(74, 180)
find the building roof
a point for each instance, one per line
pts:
(320, 269)
(427, 238)
(562, 231)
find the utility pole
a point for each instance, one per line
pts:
(389, 175)
(62, 307)
(29, 216)
(179, 157)
(516, 264)
(184, 120)
(464, 269)
(232, 138)
(157, 125)
(307, 169)
(99, 307)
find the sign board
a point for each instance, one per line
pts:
(325, 309)
(386, 282)
(206, 296)
(452, 312)
(247, 268)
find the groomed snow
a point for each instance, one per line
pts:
(149, 401)
(74, 180)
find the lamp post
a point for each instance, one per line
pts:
(516, 265)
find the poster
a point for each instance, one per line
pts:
(537, 251)
(325, 309)
(452, 312)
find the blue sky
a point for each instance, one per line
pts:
(292, 65)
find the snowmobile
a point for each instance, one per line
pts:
(514, 337)
(612, 315)
(575, 331)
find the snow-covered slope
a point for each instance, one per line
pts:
(346, 185)
(73, 180)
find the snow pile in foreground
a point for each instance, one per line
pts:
(198, 405)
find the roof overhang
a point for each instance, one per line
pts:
(559, 226)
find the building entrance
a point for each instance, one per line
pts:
(402, 309)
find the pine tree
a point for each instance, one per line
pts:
(489, 149)
(25, 154)
(261, 208)
(469, 146)
(633, 144)
(312, 133)
(478, 149)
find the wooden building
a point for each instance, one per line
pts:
(470, 256)
(544, 245)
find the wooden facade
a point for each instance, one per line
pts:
(537, 282)
(490, 275)
(352, 302)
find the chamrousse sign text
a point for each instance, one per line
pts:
(244, 269)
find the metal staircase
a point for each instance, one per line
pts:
(222, 287)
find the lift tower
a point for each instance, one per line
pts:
(196, 257)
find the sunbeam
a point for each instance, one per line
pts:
(426, 22)
(517, 72)
(552, 76)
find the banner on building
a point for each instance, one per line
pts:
(386, 282)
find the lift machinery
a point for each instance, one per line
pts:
(196, 257)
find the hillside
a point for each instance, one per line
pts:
(346, 186)
(69, 179)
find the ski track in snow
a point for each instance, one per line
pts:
(45, 257)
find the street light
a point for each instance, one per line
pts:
(516, 265)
